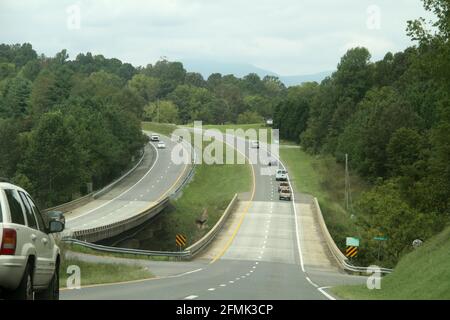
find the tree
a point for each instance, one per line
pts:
(383, 212)
(10, 147)
(162, 111)
(195, 79)
(53, 158)
(249, 117)
(16, 98)
(171, 74)
(147, 87)
(292, 113)
(403, 151)
(365, 139)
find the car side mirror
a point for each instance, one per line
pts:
(56, 226)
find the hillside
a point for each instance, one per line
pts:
(429, 266)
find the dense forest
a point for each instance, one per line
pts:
(65, 123)
(392, 118)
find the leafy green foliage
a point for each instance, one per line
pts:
(66, 123)
(392, 119)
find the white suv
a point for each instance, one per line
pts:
(29, 256)
(281, 175)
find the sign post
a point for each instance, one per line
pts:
(352, 247)
(180, 241)
(380, 239)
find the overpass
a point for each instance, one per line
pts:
(135, 200)
(263, 252)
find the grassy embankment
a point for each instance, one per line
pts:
(98, 273)
(207, 195)
(323, 178)
(423, 274)
(244, 127)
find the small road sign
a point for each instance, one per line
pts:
(352, 242)
(351, 251)
(380, 238)
(180, 240)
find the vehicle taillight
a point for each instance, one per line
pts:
(9, 241)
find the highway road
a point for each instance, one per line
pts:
(261, 258)
(155, 178)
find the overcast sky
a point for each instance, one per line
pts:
(288, 37)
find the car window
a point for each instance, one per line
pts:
(1, 212)
(28, 211)
(14, 207)
(37, 213)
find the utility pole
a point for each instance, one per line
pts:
(157, 106)
(348, 196)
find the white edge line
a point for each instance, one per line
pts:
(329, 296)
(309, 280)
(126, 191)
(182, 274)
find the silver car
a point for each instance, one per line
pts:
(29, 256)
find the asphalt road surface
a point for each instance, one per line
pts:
(262, 260)
(151, 182)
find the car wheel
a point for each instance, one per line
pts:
(52, 292)
(25, 289)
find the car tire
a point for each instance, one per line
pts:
(52, 292)
(25, 289)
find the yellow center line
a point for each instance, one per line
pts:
(244, 213)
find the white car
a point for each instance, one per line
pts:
(281, 175)
(29, 256)
(154, 137)
(161, 145)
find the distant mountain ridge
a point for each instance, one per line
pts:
(206, 68)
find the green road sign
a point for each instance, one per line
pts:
(380, 238)
(352, 242)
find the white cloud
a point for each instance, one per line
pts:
(285, 36)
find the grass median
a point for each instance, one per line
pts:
(201, 203)
(256, 126)
(161, 128)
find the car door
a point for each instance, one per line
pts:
(44, 269)
(18, 222)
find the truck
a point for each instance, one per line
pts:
(284, 186)
(285, 194)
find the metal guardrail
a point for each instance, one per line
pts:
(189, 253)
(340, 258)
(108, 188)
(127, 251)
(113, 229)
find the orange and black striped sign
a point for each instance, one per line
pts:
(351, 252)
(180, 240)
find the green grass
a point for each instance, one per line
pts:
(423, 274)
(244, 127)
(210, 191)
(162, 128)
(323, 178)
(100, 273)
(212, 188)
